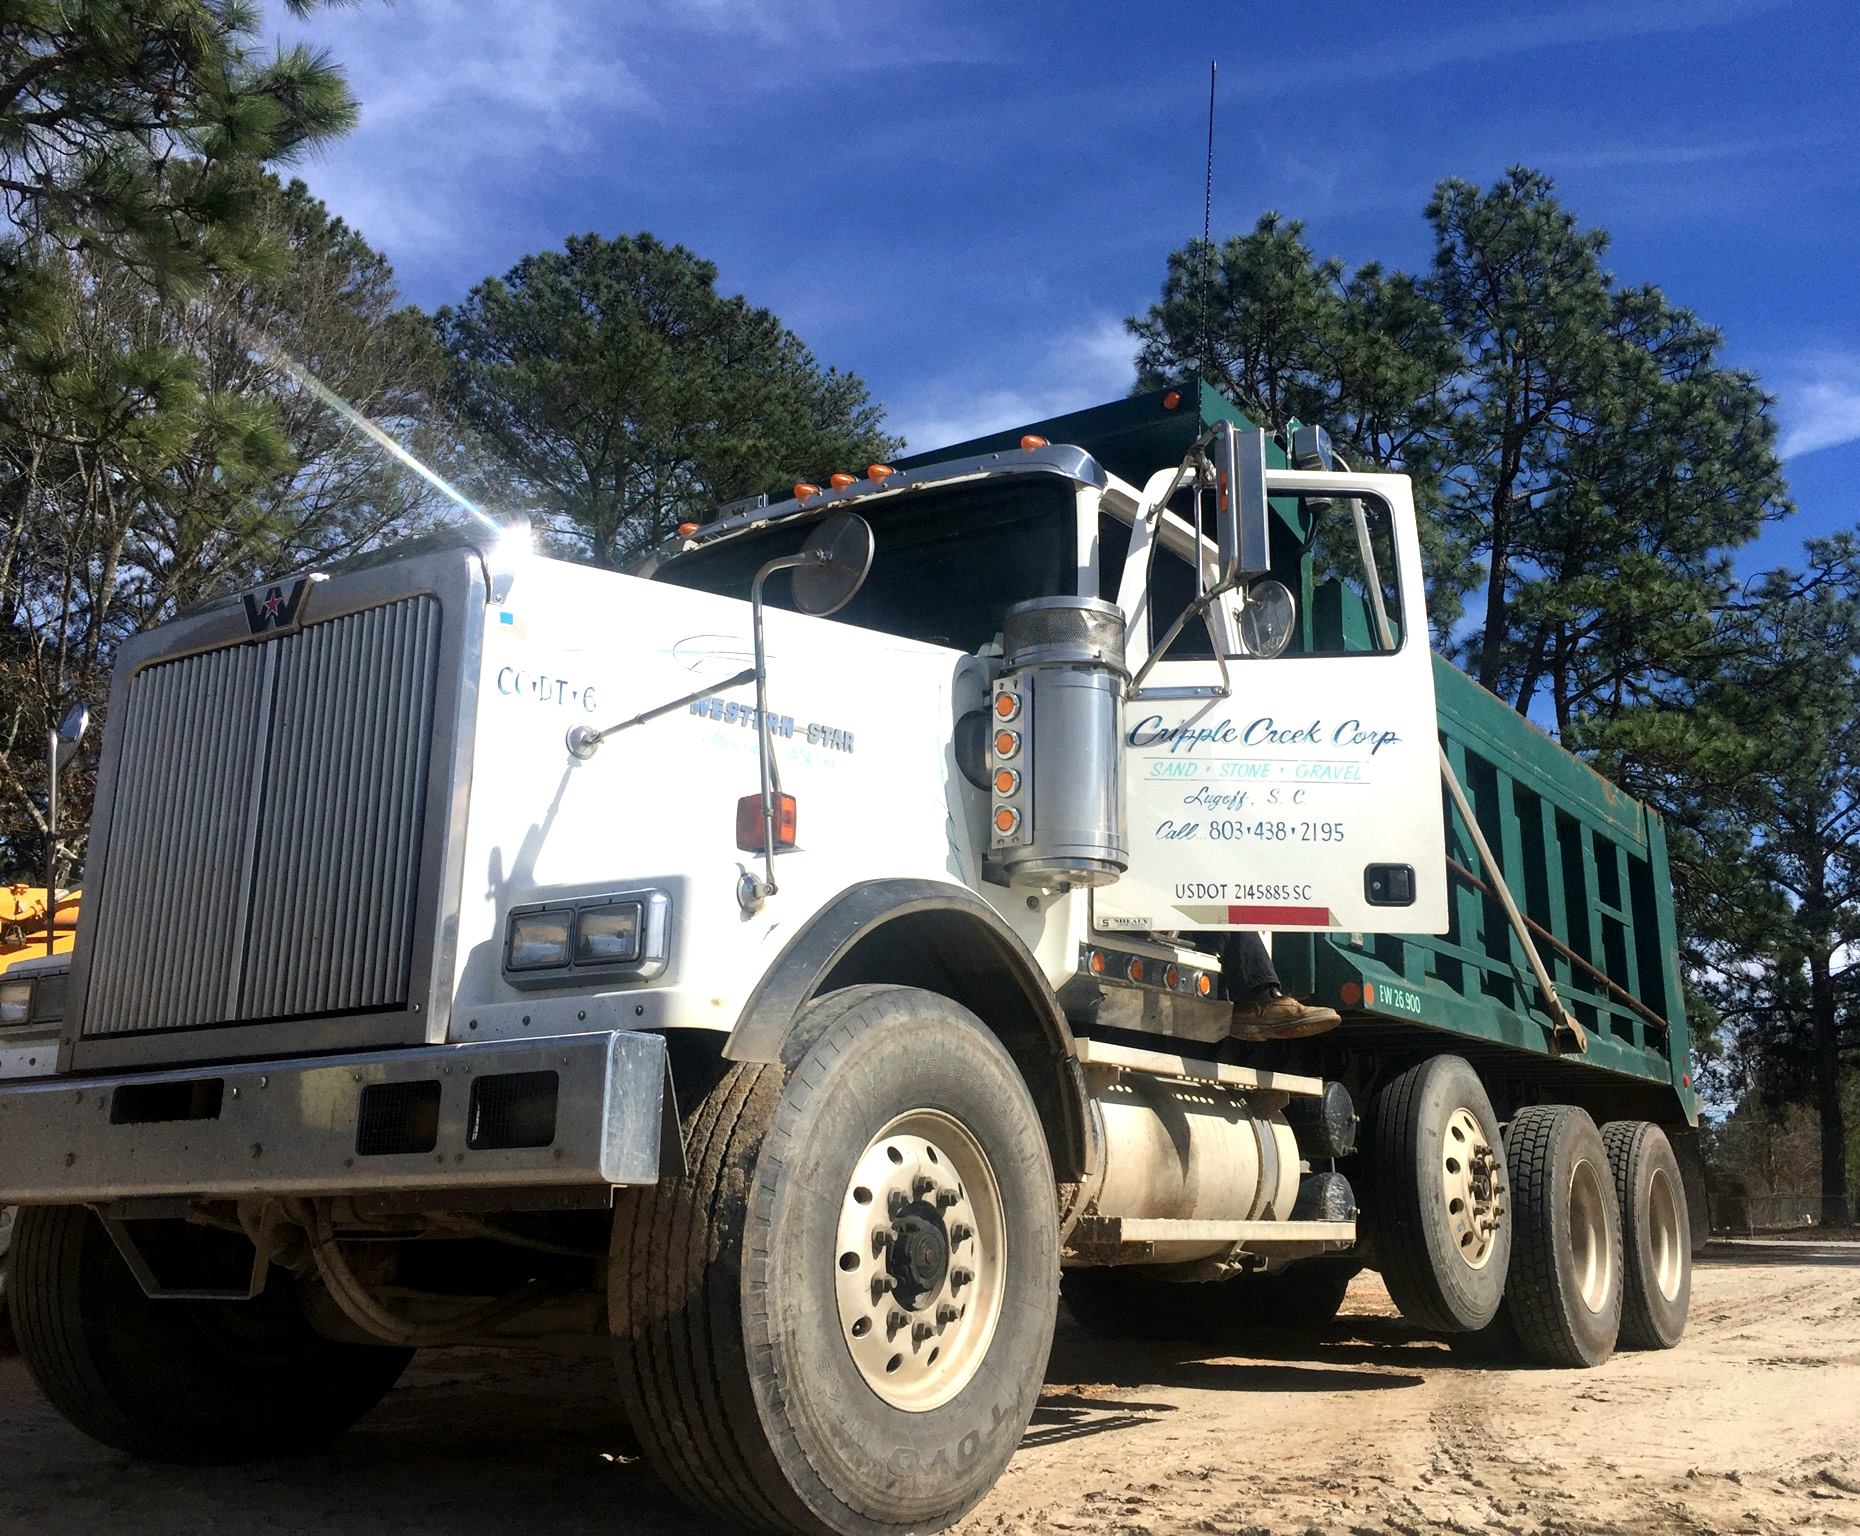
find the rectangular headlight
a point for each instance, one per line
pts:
(607, 935)
(15, 1001)
(539, 941)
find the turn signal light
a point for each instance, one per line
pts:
(1007, 782)
(840, 481)
(1007, 820)
(749, 823)
(1007, 705)
(1029, 443)
(1007, 743)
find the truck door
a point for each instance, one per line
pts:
(1296, 790)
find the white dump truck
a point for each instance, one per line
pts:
(781, 963)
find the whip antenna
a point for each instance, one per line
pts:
(1207, 240)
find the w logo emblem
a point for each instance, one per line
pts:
(275, 607)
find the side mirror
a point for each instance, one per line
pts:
(71, 731)
(1242, 515)
(834, 565)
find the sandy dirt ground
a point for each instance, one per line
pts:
(1751, 1426)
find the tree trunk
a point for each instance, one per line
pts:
(1828, 1091)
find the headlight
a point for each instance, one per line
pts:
(607, 935)
(539, 941)
(15, 1001)
(612, 936)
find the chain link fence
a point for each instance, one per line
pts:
(1738, 1214)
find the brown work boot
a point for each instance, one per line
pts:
(1271, 1015)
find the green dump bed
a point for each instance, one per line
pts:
(1586, 863)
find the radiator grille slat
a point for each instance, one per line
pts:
(265, 844)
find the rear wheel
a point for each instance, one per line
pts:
(1656, 1235)
(839, 1319)
(191, 1381)
(1437, 1175)
(1564, 1296)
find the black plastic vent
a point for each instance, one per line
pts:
(398, 1117)
(513, 1109)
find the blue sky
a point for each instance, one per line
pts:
(961, 202)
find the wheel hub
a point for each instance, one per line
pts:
(918, 1249)
(1470, 1188)
(919, 1262)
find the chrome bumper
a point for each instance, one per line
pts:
(572, 1109)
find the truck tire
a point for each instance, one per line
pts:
(1656, 1235)
(187, 1381)
(1685, 1145)
(1564, 1296)
(891, 1167)
(1437, 1207)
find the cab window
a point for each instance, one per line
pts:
(948, 564)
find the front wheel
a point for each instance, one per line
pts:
(171, 1380)
(839, 1320)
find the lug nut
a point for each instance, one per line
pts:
(960, 1233)
(893, 1322)
(946, 1314)
(923, 1185)
(880, 1285)
(881, 1240)
(958, 1278)
(895, 1203)
(945, 1198)
(920, 1332)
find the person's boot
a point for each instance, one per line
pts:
(1269, 1014)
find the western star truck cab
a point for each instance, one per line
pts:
(803, 959)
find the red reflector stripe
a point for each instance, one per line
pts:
(1281, 917)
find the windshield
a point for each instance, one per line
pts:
(949, 562)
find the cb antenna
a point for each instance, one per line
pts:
(1207, 239)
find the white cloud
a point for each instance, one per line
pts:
(1087, 365)
(467, 104)
(1820, 403)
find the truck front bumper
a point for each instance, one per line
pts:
(588, 1109)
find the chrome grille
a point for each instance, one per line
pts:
(263, 859)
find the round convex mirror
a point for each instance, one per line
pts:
(838, 559)
(1267, 619)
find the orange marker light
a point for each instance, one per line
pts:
(1136, 971)
(685, 530)
(1007, 819)
(878, 472)
(749, 823)
(1172, 978)
(840, 481)
(1204, 985)
(1007, 706)
(1029, 443)
(1007, 782)
(1007, 743)
(1172, 399)
(1094, 962)
(803, 490)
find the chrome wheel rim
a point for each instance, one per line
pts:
(1592, 1254)
(1665, 1254)
(1469, 1188)
(919, 1260)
